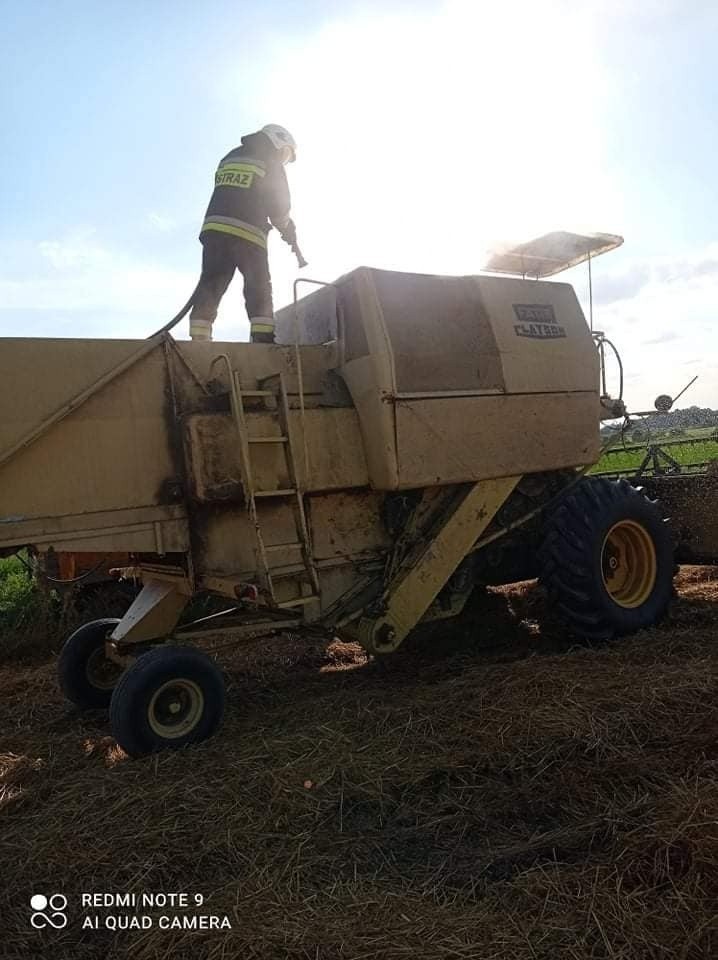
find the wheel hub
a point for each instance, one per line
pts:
(101, 672)
(175, 708)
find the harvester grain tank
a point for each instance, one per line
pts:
(416, 437)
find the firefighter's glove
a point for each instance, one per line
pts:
(289, 233)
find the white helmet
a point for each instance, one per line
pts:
(282, 140)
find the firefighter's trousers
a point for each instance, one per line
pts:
(221, 256)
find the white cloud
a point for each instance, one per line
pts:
(161, 222)
(105, 291)
(661, 311)
(664, 337)
(78, 284)
(76, 249)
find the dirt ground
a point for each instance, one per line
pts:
(510, 793)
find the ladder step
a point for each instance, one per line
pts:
(275, 493)
(257, 393)
(290, 571)
(272, 548)
(267, 439)
(299, 602)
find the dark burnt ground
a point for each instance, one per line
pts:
(502, 792)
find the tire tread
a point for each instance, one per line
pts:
(571, 538)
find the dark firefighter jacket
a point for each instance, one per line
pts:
(250, 192)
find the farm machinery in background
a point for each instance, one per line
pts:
(664, 456)
(680, 471)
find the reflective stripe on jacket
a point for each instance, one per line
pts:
(236, 228)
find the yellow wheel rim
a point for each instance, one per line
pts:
(629, 564)
(175, 709)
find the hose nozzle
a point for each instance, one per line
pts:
(301, 262)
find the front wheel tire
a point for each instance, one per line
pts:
(86, 677)
(607, 559)
(168, 698)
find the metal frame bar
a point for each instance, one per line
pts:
(300, 372)
(300, 519)
(245, 630)
(413, 589)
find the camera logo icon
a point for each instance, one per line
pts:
(48, 911)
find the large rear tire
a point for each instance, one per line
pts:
(607, 559)
(169, 697)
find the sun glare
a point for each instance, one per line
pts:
(426, 138)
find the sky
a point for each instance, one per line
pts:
(428, 133)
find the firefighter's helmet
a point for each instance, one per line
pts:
(282, 140)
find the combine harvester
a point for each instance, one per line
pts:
(416, 437)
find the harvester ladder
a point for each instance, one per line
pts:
(293, 493)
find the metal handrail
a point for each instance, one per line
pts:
(300, 372)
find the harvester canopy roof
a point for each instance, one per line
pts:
(551, 253)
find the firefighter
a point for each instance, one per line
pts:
(250, 196)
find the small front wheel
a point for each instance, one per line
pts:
(86, 677)
(169, 697)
